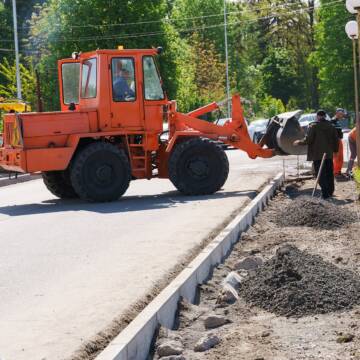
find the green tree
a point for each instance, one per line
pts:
(60, 27)
(271, 106)
(210, 71)
(8, 86)
(279, 74)
(333, 56)
(289, 26)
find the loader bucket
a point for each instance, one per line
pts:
(282, 131)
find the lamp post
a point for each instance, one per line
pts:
(353, 6)
(18, 79)
(227, 62)
(351, 29)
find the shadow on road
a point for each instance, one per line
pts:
(125, 204)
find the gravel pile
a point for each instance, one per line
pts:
(314, 212)
(295, 283)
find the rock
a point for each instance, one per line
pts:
(345, 338)
(339, 259)
(215, 321)
(233, 279)
(255, 251)
(170, 347)
(248, 263)
(173, 357)
(189, 313)
(206, 342)
(265, 334)
(228, 295)
(165, 333)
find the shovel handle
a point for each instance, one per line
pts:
(319, 174)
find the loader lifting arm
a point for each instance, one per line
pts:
(234, 133)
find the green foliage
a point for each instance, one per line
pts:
(356, 174)
(275, 51)
(209, 70)
(280, 78)
(60, 27)
(333, 56)
(271, 106)
(8, 87)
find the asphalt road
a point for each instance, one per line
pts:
(67, 268)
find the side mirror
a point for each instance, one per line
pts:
(72, 106)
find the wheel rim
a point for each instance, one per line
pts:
(101, 174)
(104, 174)
(198, 167)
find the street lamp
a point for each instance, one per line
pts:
(352, 31)
(353, 6)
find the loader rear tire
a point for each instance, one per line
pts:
(59, 184)
(198, 166)
(100, 172)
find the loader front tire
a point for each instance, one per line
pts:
(100, 172)
(198, 166)
(59, 184)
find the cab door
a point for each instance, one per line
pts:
(69, 81)
(154, 96)
(126, 102)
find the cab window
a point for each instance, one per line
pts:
(152, 84)
(70, 82)
(88, 79)
(123, 79)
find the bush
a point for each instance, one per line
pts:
(271, 106)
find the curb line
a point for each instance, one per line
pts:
(134, 342)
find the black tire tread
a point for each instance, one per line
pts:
(178, 152)
(56, 182)
(81, 158)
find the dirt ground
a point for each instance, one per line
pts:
(251, 333)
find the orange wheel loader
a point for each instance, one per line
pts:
(109, 129)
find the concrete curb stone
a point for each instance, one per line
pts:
(134, 342)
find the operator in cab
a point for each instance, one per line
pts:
(121, 87)
(322, 138)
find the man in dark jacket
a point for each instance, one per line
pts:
(322, 138)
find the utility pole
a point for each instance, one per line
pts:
(18, 79)
(227, 62)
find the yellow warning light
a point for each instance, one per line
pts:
(120, 47)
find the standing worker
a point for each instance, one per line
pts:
(322, 138)
(352, 146)
(338, 158)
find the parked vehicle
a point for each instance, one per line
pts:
(257, 129)
(306, 119)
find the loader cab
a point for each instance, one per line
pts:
(124, 86)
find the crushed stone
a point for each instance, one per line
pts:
(296, 283)
(314, 212)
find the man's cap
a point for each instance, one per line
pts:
(340, 110)
(321, 113)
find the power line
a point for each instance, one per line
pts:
(145, 34)
(136, 35)
(169, 20)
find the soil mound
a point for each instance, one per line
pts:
(295, 283)
(314, 212)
